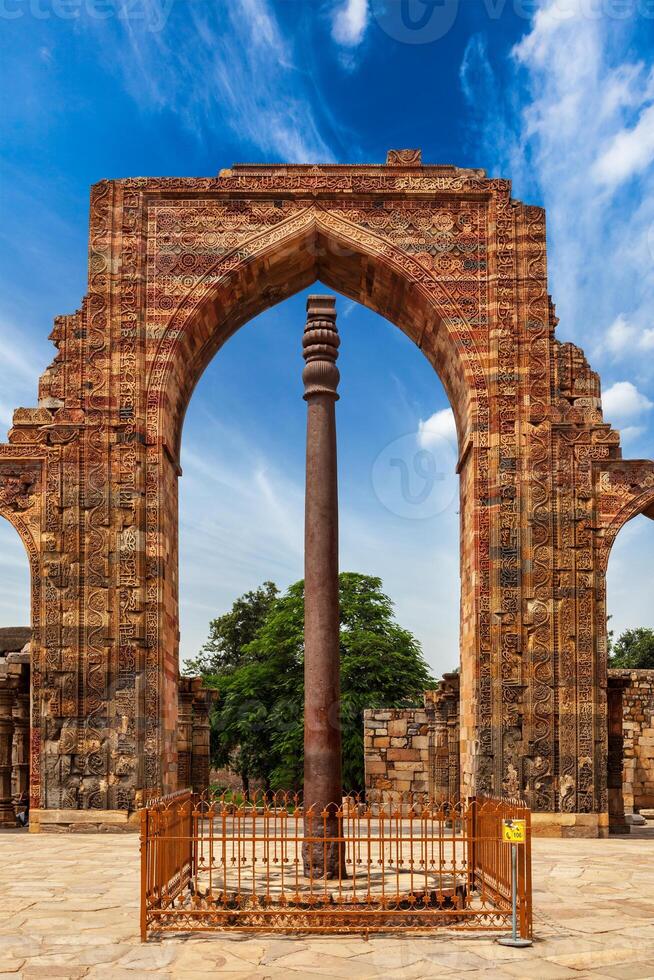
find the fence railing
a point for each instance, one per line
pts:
(406, 864)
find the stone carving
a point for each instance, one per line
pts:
(176, 266)
(404, 158)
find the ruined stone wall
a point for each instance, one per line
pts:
(638, 730)
(396, 743)
(416, 750)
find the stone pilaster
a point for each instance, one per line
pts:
(8, 683)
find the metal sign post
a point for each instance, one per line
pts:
(514, 832)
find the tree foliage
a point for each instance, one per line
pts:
(634, 649)
(258, 722)
(230, 633)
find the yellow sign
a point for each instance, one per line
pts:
(514, 831)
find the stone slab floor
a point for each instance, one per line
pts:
(69, 908)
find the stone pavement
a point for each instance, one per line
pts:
(69, 908)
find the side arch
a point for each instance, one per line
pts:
(21, 504)
(626, 489)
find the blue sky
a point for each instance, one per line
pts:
(557, 95)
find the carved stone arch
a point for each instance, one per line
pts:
(314, 243)
(21, 506)
(625, 490)
(21, 500)
(332, 244)
(32, 551)
(176, 265)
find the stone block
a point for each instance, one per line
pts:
(420, 742)
(404, 755)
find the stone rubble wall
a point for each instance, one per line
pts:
(638, 730)
(416, 749)
(396, 745)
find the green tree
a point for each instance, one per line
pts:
(633, 648)
(258, 721)
(230, 634)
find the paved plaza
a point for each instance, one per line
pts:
(69, 908)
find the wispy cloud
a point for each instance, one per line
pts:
(576, 133)
(440, 425)
(623, 339)
(350, 21)
(629, 152)
(228, 63)
(20, 368)
(582, 143)
(242, 521)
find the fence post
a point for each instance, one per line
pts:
(517, 879)
(472, 804)
(526, 908)
(144, 873)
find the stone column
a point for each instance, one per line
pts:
(438, 751)
(184, 733)
(615, 759)
(322, 733)
(20, 775)
(7, 815)
(201, 742)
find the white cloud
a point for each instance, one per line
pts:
(577, 102)
(242, 521)
(624, 338)
(349, 22)
(631, 432)
(225, 63)
(440, 425)
(583, 92)
(624, 401)
(630, 152)
(620, 334)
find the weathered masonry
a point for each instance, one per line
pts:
(416, 750)
(193, 746)
(89, 477)
(632, 752)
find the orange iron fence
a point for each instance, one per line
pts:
(407, 864)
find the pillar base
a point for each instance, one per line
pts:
(7, 816)
(570, 825)
(84, 821)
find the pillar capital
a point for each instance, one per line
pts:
(320, 348)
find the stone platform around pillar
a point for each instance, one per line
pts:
(570, 825)
(84, 821)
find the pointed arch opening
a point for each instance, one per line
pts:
(15, 679)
